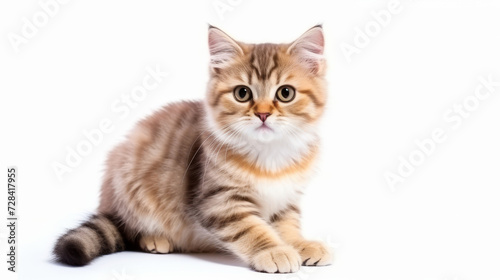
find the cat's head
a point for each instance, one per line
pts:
(266, 92)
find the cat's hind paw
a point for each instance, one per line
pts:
(155, 244)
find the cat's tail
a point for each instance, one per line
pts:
(100, 235)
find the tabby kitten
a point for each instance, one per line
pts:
(223, 174)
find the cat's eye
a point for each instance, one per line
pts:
(242, 93)
(285, 93)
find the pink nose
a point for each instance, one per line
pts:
(263, 116)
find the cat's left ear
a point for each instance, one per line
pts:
(309, 49)
(223, 49)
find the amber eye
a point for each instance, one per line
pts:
(285, 93)
(242, 93)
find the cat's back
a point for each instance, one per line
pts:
(158, 149)
(169, 134)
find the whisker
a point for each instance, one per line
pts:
(201, 145)
(209, 159)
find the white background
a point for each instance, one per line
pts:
(442, 222)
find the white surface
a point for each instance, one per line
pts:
(442, 222)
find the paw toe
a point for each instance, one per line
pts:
(315, 254)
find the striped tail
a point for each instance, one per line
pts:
(98, 236)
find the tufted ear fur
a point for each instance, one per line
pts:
(308, 48)
(223, 49)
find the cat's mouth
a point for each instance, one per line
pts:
(264, 127)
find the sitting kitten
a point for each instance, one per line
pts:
(223, 174)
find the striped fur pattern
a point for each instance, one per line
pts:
(95, 237)
(223, 174)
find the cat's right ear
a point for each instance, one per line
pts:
(223, 49)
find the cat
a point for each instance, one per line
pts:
(220, 175)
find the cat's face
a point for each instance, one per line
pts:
(266, 92)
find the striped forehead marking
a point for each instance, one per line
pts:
(263, 62)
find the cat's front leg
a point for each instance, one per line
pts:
(233, 217)
(287, 224)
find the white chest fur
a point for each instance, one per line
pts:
(277, 195)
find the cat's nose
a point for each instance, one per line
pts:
(262, 116)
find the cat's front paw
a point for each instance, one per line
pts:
(314, 253)
(278, 259)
